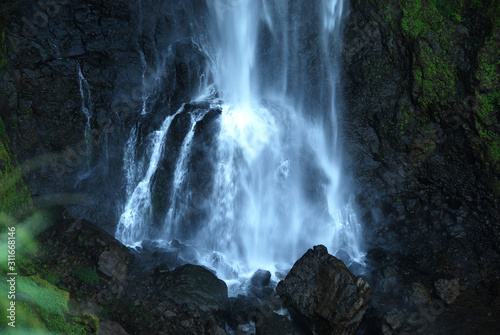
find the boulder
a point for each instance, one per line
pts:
(448, 290)
(419, 295)
(323, 297)
(260, 283)
(198, 287)
(107, 327)
(113, 264)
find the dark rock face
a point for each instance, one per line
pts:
(416, 108)
(100, 57)
(323, 296)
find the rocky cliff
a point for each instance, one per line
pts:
(422, 129)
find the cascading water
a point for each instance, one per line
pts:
(87, 111)
(276, 185)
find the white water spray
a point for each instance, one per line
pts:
(86, 109)
(136, 219)
(277, 186)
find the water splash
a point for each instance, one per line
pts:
(277, 184)
(136, 219)
(180, 194)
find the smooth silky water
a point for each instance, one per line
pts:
(277, 187)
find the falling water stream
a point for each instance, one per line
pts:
(276, 184)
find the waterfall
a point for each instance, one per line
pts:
(273, 184)
(86, 109)
(137, 216)
(180, 194)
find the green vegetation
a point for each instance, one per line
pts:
(89, 322)
(41, 307)
(15, 198)
(488, 98)
(3, 50)
(433, 71)
(432, 26)
(435, 79)
(86, 275)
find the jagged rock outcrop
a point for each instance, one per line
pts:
(423, 132)
(322, 295)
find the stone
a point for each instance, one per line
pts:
(259, 283)
(275, 324)
(419, 295)
(261, 278)
(107, 327)
(161, 270)
(447, 290)
(389, 279)
(392, 321)
(323, 297)
(113, 265)
(197, 286)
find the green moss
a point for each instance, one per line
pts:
(40, 306)
(3, 50)
(86, 275)
(15, 198)
(51, 277)
(26, 266)
(93, 321)
(450, 9)
(430, 23)
(436, 78)
(43, 309)
(488, 102)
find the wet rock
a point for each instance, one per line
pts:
(261, 278)
(259, 283)
(448, 290)
(112, 264)
(107, 327)
(323, 297)
(419, 295)
(275, 324)
(161, 270)
(343, 256)
(392, 322)
(197, 286)
(390, 280)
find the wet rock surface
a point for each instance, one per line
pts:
(323, 296)
(424, 173)
(95, 268)
(99, 273)
(72, 87)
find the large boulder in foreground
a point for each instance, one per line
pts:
(197, 287)
(323, 297)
